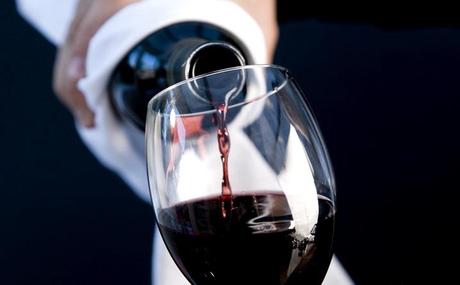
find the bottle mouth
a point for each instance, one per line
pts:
(193, 57)
(212, 56)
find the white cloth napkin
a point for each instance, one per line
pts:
(108, 140)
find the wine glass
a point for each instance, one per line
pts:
(240, 178)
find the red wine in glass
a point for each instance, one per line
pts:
(274, 227)
(245, 238)
(255, 244)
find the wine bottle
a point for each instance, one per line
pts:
(165, 57)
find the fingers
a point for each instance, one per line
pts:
(70, 61)
(69, 68)
(67, 71)
(76, 99)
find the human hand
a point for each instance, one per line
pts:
(70, 61)
(90, 15)
(264, 12)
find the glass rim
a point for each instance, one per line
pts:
(168, 89)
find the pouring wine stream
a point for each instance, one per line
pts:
(223, 139)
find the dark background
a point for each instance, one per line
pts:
(386, 98)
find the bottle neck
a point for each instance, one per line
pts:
(165, 57)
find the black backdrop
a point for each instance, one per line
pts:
(64, 219)
(387, 103)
